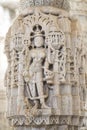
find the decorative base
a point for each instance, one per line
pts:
(55, 127)
(46, 120)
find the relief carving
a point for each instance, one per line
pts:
(39, 61)
(45, 81)
(34, 71)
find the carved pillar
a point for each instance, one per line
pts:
(65, 25)
(45, 93)
(12, 81)
(75, 67)
(8, 74)
(20, 102)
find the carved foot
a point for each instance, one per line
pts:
(36, 104)
(44, 106)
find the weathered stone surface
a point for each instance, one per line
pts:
(5, 21)
(46, 75)
(64, 4)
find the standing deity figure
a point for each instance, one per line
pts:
(37, 58)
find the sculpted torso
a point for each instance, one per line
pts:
(37, 56)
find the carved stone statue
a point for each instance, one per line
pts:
(46, 79)
(34, 70)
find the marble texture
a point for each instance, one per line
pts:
(46, 77)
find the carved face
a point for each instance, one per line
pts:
(38, 41)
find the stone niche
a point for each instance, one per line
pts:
(46, 76)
